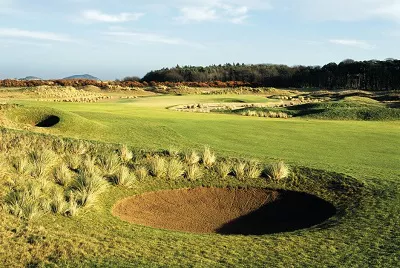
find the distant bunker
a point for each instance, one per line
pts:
(228, 211)
(48, 121)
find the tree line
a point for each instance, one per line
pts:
(348, 74)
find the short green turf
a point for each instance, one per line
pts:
(366, 235)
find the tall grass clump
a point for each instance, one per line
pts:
(174, 169)
(239, 169)
(73, 161)
(62, 175)
(27, 203)
(253, 170)
(72, 205)
(58, 202)
(125, 154)
(123, 177)
(88, 186)
(191, 157)
(208, 158)
(21, 164)
(157, 166)
(223, 169)
(172, 151)
(277, 171)
(193, 172)
(42, 161)
(108, 163)
(141, 172)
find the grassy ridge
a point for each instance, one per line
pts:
(362, 149)
(351, 108)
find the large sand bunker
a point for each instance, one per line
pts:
(225, 211)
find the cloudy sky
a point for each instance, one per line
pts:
(113, 39)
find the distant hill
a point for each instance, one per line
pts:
(30, 78)
(82, 76)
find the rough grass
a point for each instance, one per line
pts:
(351, 108)
(366, 227)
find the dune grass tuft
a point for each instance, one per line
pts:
(174, 169)
(193, 172)
(223, 168)
(209, 157)
(277, 171)
(157, 166)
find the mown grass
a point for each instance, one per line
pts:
(364, 232)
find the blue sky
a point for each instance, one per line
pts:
(114, 39)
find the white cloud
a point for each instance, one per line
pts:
(345, 10)
(12, 43)
(98, 16)
(352, 43)
(7, 7)
(234, 11)
(197, 14)
(18, 33)
(132, 38)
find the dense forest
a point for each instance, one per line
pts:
(349, 74)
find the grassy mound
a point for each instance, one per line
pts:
(35, 117)
(350, 108)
